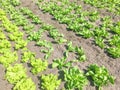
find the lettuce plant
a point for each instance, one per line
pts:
(25, 84)
(85, 33)
(114, 51)
(100, 42)
(48, 48)
(38, 65)
(114, 41)
(15, 2)
(34, 36)
(80, 54)
(27, 55)
(74, 79)
(15, 73)
(50, 82)
(8, 58)
(28, 28)
(70, 47)
(15, 36)
(5, 44)
(116, 28)
(99, 75)
(60, 63)
(19, 44)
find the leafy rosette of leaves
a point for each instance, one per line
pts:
(114, 51)
(80, 54)
(20, 44)
(74, 78)
(15, 2)
(34, 36)
(100, 75)
(8, 57)
(61, 63)
(15, 73)
(38, 65)
(5, 44)
(50, 82)
(27, 55)
(15, 36)
(25, 84)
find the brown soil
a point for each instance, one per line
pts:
(94, 54)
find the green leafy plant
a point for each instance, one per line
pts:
(48, 48)
(28, 28)
(8, 58)
(15, 73)
(80, 54)
(5, 44)
(114, 41)
(38, 65)
(101, 32)
(100, 42)
(20, 44)
(25, 11)
(74, 79)
(57, 36)
(114, 51)
(99, 75)
(116, 28)
(70, 47)
(15, 2)
(27, 55)
(50, 82)
(25, 84)
(35, 19)
(85, 33)
(60, 63)
(34, 36)
(15, 36)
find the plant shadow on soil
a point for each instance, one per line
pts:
(39, 84)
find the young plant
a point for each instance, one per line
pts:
(50, 82)
(27, 55)
(15, 2)
(15, 36)
(8, 58)
(38, 65)
(114, 51)
(28, 28)
(101, 32)
(34, 36)
(60, 63)
(35, 19)
(114, 41)
(100, 42)
(85, 33)
(25, 84)
(20, 44)
(70, 47)
(5, 44)
(74, 79)
(80, 54)
(116, 28)
(48, 48)
(15, 74)
(99, 75)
